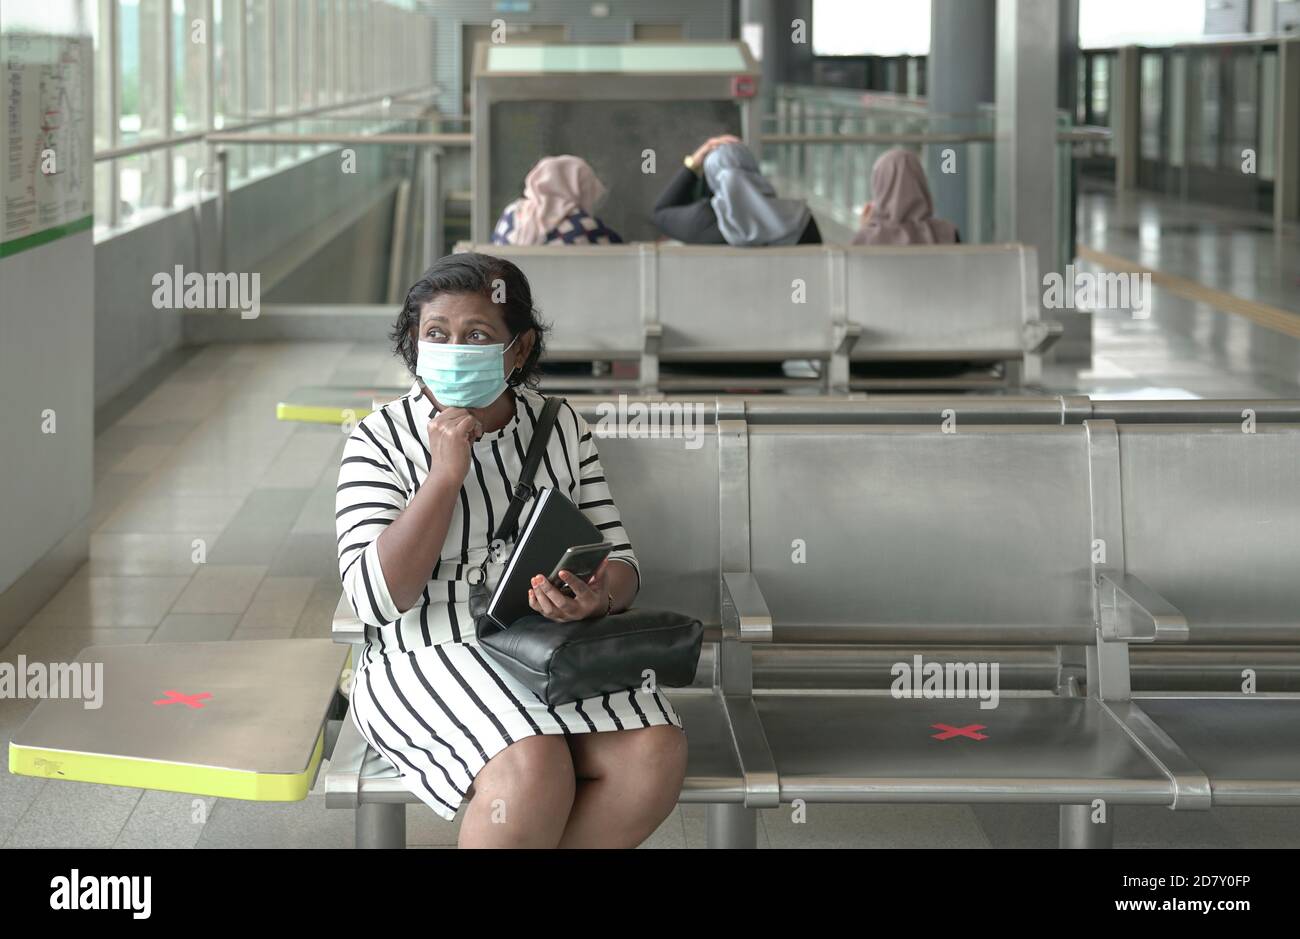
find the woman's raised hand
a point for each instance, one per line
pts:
(451, 434)
(590, 597)
(710, 145)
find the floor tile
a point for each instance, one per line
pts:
(196, 627)
(95, 602)
(307, 555)
(874, 826)
(317, 618)
(278, 603)
(305, 824)
(125, 554)
(166, 820)
(161, 511)
(220, 589)
(68, 814)
(145, 458)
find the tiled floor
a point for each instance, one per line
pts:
(1188, 347)
(1217, 246)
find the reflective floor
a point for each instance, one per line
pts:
(1213, 245)
(196, 460)
(1188, 346)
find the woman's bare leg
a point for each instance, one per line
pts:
(628, 782)
(522, 797)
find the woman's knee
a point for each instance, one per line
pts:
(659, 755)
(652, 782)
(534, 764)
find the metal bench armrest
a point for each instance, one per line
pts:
(346, 628)
(744, 611)
(343, 781)
(1133, 612)
(844, 336)
(1041, 335)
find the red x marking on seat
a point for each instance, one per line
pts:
(192, 700)
(970, 730)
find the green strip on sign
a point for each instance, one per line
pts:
(45, 237)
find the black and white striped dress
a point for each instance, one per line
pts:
(425, 695)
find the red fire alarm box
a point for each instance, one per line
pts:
(743, 86)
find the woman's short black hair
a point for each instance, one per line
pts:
(488, 276)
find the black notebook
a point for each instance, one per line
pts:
(554, 525)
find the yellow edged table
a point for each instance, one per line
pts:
(238, 720)
(331, 405)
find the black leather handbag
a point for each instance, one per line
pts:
(564, 662)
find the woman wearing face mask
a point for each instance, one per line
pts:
(720, 197)
(423, 482)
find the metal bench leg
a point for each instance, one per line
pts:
(381, 825)
(1079, 831)
(731, 826)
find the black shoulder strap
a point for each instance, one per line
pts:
(524, 488)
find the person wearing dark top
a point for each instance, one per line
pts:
(720, 197)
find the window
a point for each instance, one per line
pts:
(284, 30)
(165, 75)
(191, 91)
(142, 93)
(870, 27)
(1106, 23)
(304, 43)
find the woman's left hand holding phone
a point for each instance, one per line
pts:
(590, 597)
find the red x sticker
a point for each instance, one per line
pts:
(190, 700)
(970, 730)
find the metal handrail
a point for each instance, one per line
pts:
(1071, 135)
(161, 143)
(432, 139)
(878, 138)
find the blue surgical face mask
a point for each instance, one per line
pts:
(463, 376)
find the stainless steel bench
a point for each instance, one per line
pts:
(984, 539)
(832, 303)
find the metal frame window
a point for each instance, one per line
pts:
(169, 72)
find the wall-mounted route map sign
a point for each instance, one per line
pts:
(46, 139)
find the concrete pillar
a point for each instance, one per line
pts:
(47, 306)
(1286, 185)
(1067, 99)
(760, 16)
(1125, 121)
(1027, 36)
(960, 73)
(1067, 83)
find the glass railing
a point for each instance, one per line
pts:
(821, 145)
(145, 177)
(375, 216)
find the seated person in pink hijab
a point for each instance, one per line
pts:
(560, 193)
(901, 211)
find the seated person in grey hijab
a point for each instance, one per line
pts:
(720, 197)
(901, 211)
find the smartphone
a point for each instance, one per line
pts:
(581, 561)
